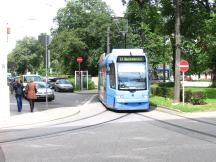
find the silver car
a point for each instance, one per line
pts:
(41, 91)
(63, 85)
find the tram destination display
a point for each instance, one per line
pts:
(131, 59)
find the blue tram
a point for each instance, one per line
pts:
(123, 82)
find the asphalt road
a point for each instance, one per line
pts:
(62, 99)
(100, 135)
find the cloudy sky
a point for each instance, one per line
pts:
(32, 17)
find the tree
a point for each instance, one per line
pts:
(178, 53)
(211, 44)
(81, 31)
(27, 56)
(149, 30)
(65, 47)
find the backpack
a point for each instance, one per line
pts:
(19, 90)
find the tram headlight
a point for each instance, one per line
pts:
(120, 97)
(145, 96)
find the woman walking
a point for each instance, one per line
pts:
(31, 91)
(18, 88)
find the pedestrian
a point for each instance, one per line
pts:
(11, 85)
(18, 88)
(30, 92)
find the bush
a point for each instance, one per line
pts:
(162, 91)
(91, 85)
(166, 84)
(198, 98)
(194, 97)
(188, 95)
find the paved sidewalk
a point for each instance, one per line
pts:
(26, 117)
(39, 116)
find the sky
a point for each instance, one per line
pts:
(32, 17)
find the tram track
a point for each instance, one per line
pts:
(54, 120)
(189, 118)
(50, 125)
(61, 132)
(184, 129)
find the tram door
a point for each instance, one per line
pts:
(102, 84)
(111, 85)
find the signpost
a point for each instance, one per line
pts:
(79, 60)
(184, 67)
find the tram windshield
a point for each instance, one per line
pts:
(132, 76)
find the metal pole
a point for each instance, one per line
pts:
(75, 78)
(46, 67)
(79, 77)
(183, 88)
(125, 36)
(87, 80)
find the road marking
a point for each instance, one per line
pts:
(90, 100)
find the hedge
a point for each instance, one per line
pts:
(193, 97)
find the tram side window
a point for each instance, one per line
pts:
(112, 76)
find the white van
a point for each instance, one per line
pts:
(26, 78)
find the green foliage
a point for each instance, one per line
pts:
(27, 56)
(187, 107)
(162, 91)
(166, 84)
(91, 85)
(147, 25)
(81, 32)
(193, 96)
(198, 98)
(65, 48)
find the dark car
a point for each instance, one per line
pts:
(51, 81)
(63, 85)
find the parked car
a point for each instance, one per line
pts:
(42, 88)
(63, 85)
(51, 81)
(186, 78)
(36, 78)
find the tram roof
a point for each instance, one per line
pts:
(128, 52)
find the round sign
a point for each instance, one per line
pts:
(79, 60)
(184, 65)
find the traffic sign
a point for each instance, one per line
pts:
(184, 65)
(79, 60)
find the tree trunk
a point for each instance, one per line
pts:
(178, 53)
(214, 73)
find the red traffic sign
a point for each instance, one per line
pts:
(184, 65)
(79, 60)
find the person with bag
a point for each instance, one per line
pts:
(30, 92)
(18, 88)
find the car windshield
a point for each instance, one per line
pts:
(41, 85)
(34, 78)
(64, 82)
(132, 76)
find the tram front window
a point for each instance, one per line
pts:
(132, 76)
